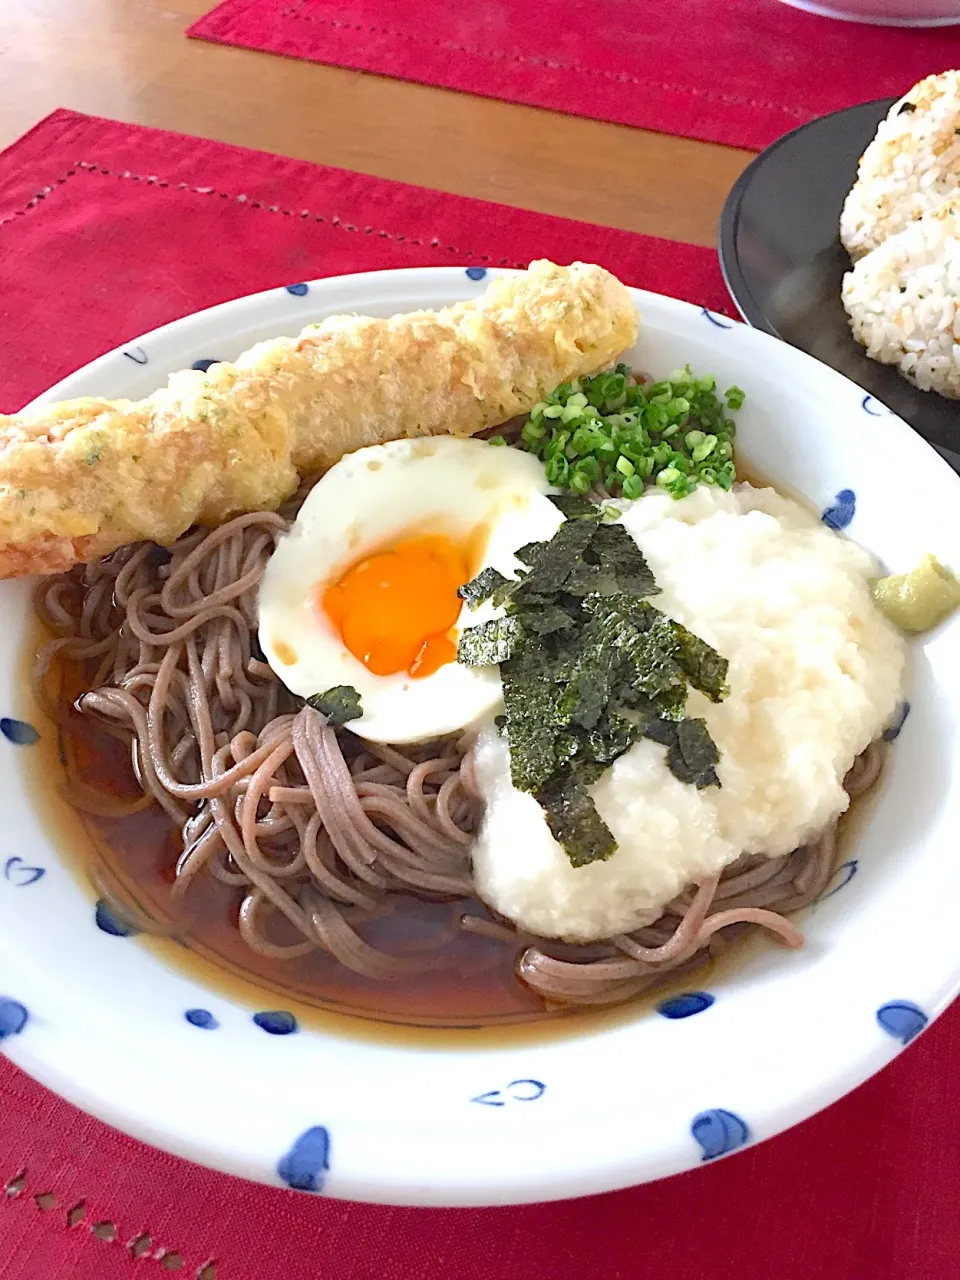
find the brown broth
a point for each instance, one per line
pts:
(471, 982)
(471, 997)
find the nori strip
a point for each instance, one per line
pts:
(487, 583)
(574, 821)
(612, 736)
(705, 668)
(588, 692)
(620, 558)
(586, 578)
(553, 561)
(547, 619)
(575, 506)
(339, 704)
(694, 756)
(589, 667)
(531, 701)
(489, 643)
(652, 652)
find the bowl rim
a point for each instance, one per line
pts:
(464, 1166)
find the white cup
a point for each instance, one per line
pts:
(891, 13)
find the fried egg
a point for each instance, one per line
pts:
(363, 589)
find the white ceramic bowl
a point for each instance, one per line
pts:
(886, 13)
(101, 1019)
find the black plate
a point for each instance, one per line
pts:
(783, 262)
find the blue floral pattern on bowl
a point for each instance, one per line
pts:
(20, 873)
(515, 1091)
(685, 1005)
(305, 1165)
(718, 1132)
(476, 273)
(19, 732)
(109, 922)
(874, 407)
(202, 1018)
(276, 1022)
(902, 1019)
(840, 515)
(840, 879)
(715, 319)
(298, 290)
(893, 730)
(13, 1017)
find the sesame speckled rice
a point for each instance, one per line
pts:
(902, 299)
(911, 166)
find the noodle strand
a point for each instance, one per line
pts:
(313, 827)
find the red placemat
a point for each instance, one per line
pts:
(106, 230)
(740, 72)
(865, 1191)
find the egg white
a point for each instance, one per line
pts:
(368, 500)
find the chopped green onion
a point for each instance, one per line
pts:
(612, 432)
(704, 448)
(558, 471)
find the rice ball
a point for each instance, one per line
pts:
(911, 166)
(902, 301)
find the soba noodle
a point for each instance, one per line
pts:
(309, 822)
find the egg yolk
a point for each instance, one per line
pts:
(396, 609)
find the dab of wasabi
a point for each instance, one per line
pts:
(921, 599)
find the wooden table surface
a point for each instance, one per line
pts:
(128, 59)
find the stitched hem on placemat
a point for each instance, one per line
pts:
(76, 1218)
(297, 11)
(332, 220)
(546, 61)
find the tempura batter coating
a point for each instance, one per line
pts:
(79, 479)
